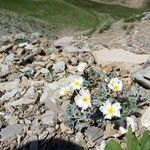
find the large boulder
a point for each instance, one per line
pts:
(107, 56)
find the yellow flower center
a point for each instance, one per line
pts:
(85, 99)
(116, 88)
(110, 111)
(77, 83)
(65, 92)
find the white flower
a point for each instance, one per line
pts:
(81, 66)
(83, 99)
(111, 110)
(77, 83)
(115, 84)
(64, 91)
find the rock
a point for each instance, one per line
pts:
(142, 77)
(103, 144)
(27, 71)
(29, 47)
(8, 86)
(147, 73)
(11, 131)
(49, 118)
(65, 105)
(10, 94)
(35, 35)
(145, 119)
(132, 121)
(21, 101)
(147, 16)
(110, 131)
(29, 58)
(59, 66)
(104, 57)
(95, 134)
(20, 51)
(9, 59)
(73, 49)
(43, 135)
(54, 107)
(6, 48)
(78, 137)
(13, 120)
(30, 93)
(5, 70)
(29, 98)
(29, 83)
(42, 71)
(51, 90)
(45, 95)
(63, 42)
(65, 129)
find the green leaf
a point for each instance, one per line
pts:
(145, 141)
(113, 145)
(132, 142)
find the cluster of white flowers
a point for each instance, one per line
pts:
(83, 97)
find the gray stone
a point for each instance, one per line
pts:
(21, 101)
(73, 49)
(63, 42)
(8, 86)
(78, 137)
(65, 129)
(5, 70)
(147, 73)
(142, 77)
(1, 123)
(9, 59)
(29, 47)
(6, 48)
(28, 70)
(30, 93)
(42, 71)
(49, 118)
(9, 95)
(13, 120)
(11, 131)
(95, 134)
(59, 66)
(30, 97)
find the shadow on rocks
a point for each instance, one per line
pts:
(51, 144)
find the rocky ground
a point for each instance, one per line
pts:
(12, 23)
(32, 73)
(130, 35)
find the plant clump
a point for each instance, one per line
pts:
(98, 98)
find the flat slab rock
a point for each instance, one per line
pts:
(11, 131)
(142, 76)
(105, 57)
